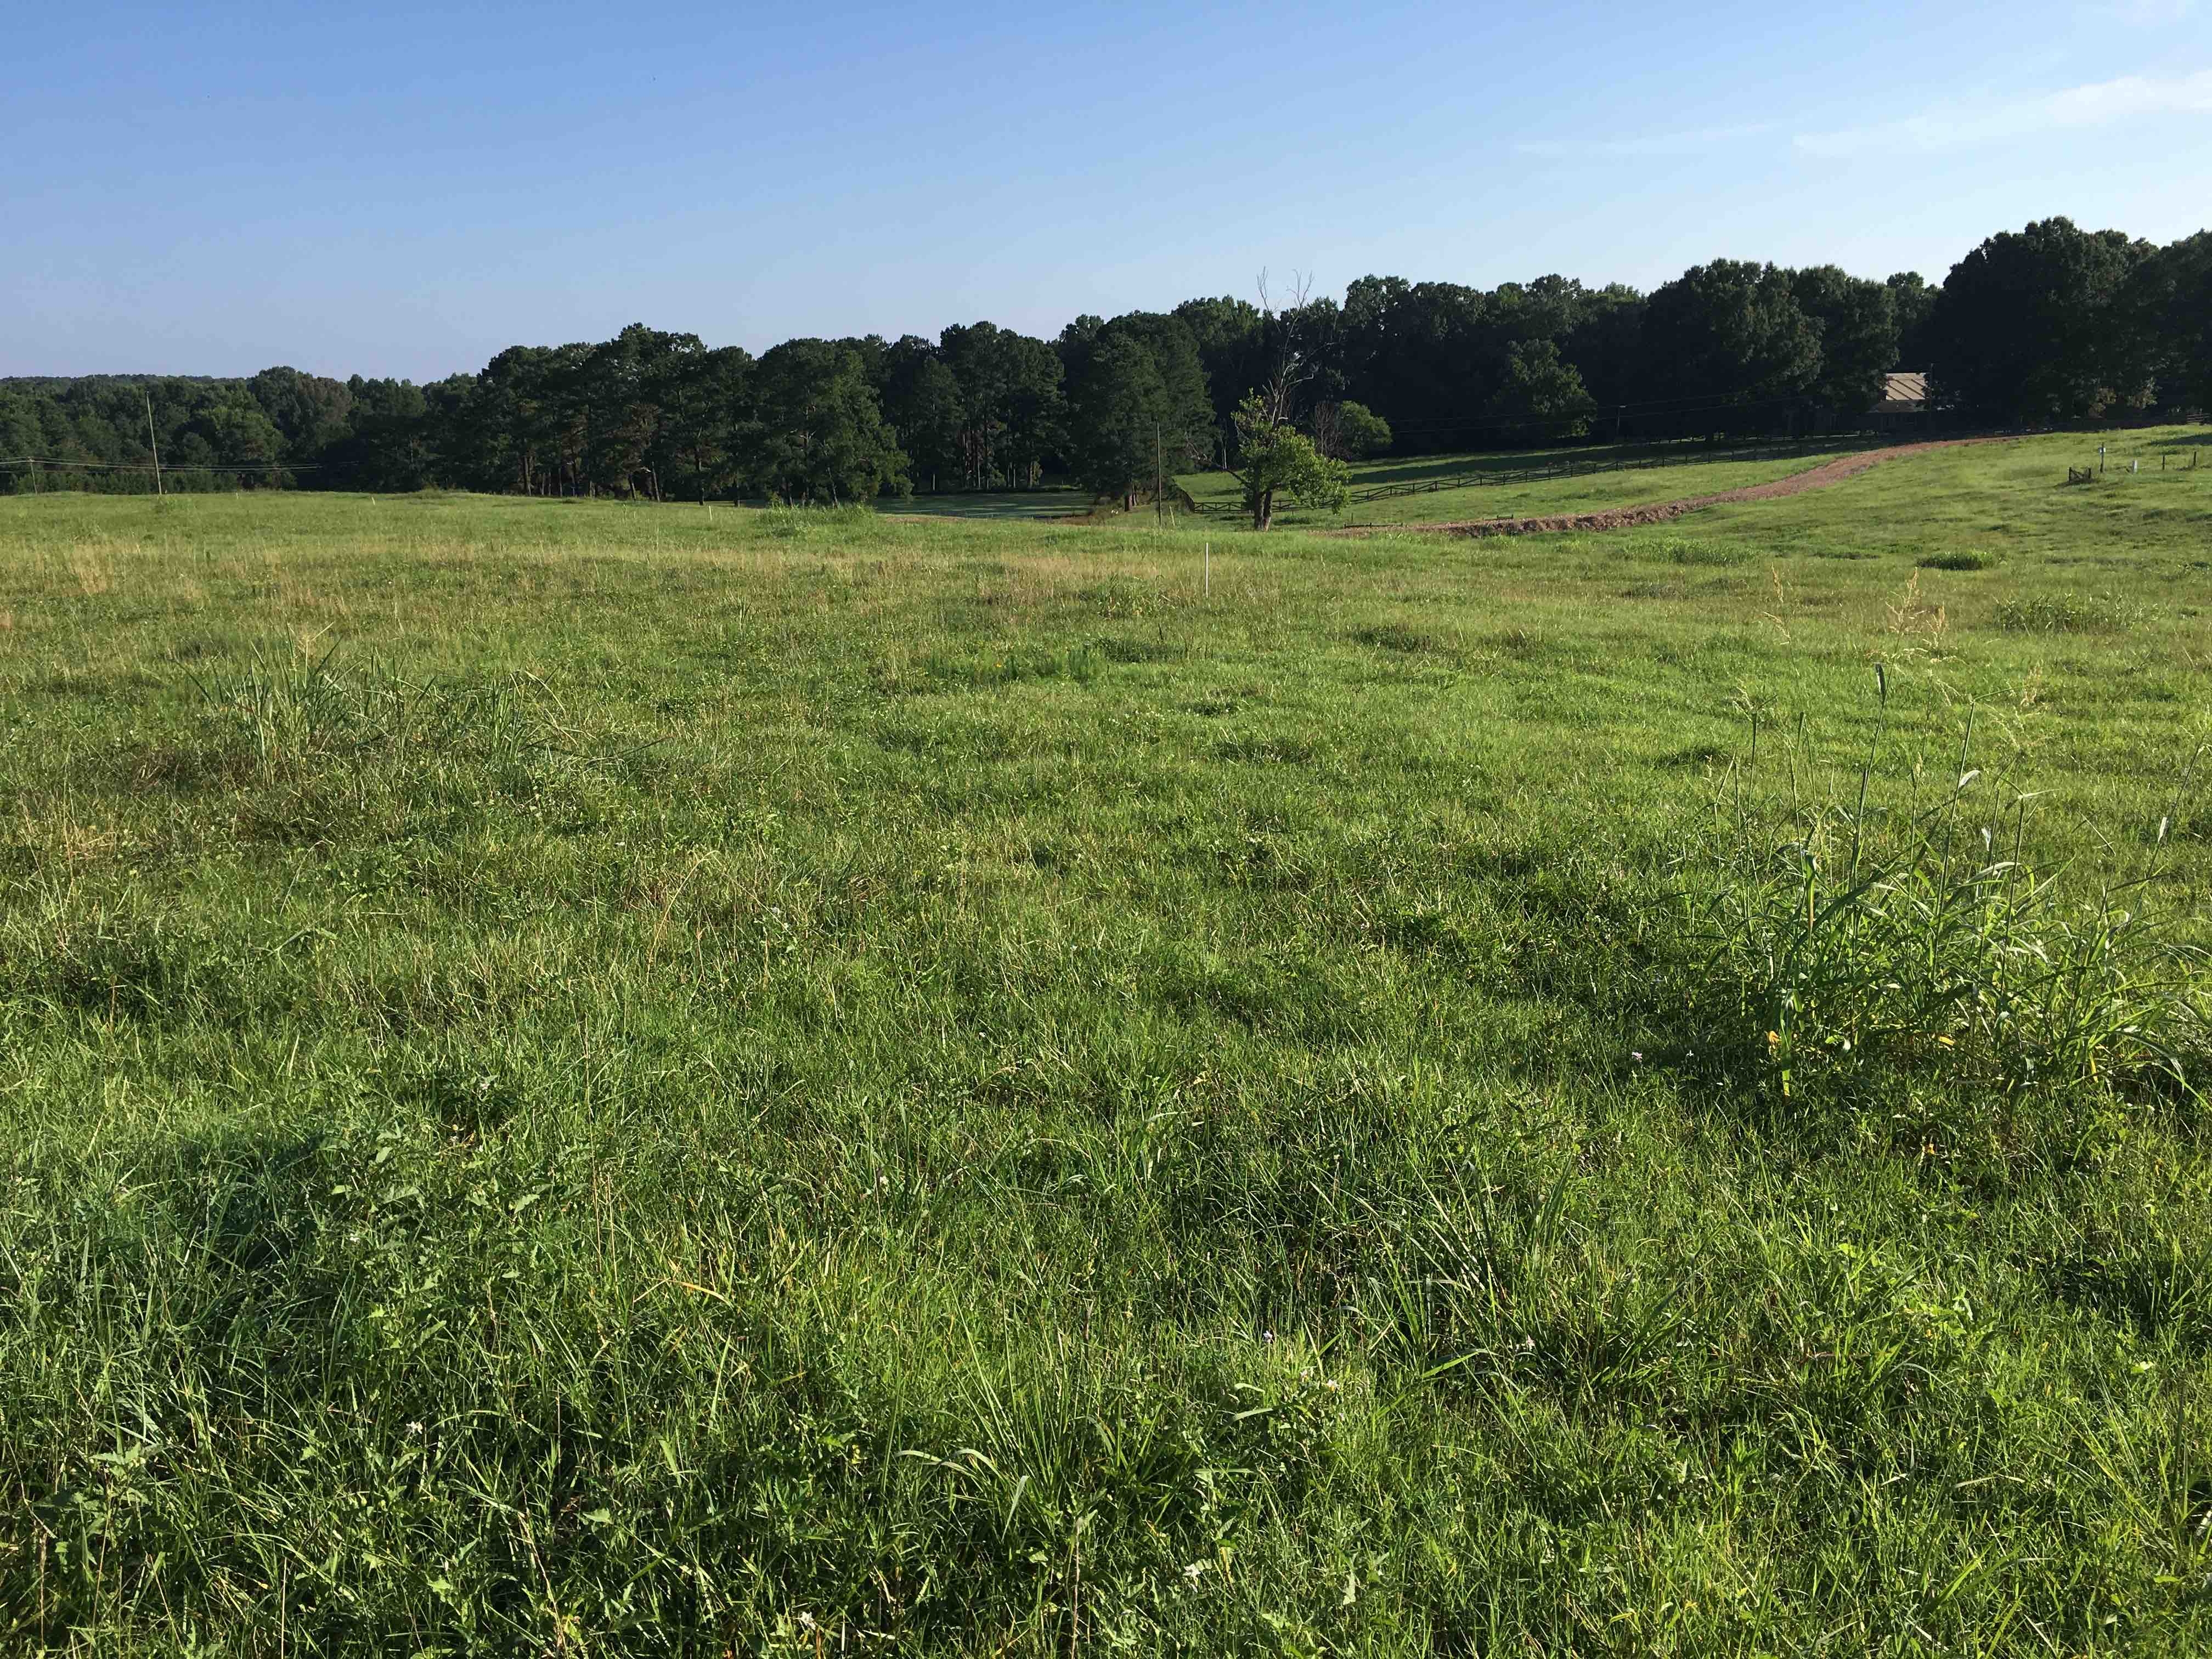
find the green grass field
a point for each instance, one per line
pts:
(581, 1080)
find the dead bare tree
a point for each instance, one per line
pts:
(1289, 365)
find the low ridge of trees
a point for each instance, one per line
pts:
(2049, 323)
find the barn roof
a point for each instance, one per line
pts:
(1909, 387)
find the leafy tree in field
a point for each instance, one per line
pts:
(1728, 333)
(1275, 459)
(1857, 320)
(622, 439)
(2026, 329)
(819, 435)
(564, 414)
(446, 417)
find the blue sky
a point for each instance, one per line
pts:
(400, 189)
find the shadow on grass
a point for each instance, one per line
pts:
(1002, 505)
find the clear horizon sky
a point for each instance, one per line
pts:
(400, 189)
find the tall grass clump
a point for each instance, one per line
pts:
(1693, 550)
(286, 713)
(2072, 613)
(1883, 946)
(820, 524)
(302, 749)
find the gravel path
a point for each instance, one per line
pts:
(1620, 517)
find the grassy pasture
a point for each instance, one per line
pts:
(581, 1078)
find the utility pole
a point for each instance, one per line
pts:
(153, 440)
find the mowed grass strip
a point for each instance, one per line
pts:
(588, 1079)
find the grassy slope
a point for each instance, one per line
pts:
(1219, 492)
(937, 1085)
(1579, 493)
(1627, 486)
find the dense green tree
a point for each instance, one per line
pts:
(1728, 334)
(921, 401)
(1231, 335)
(388, 444)
(1011, 401)
(2166, 314)
(21, 433)
(818, 435)
(1605, 344)
(1138, 405)
(1116, 438)
(2026, 328)
(1422, 353)
(1349, 431)
(230, 430)
(1364, 433)
(1911, 303)
(704, 396)
(308, 411)
(1857, 321)
(1541, 388)
(624, 391)
(501, 435)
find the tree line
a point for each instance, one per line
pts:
(2049, 324)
